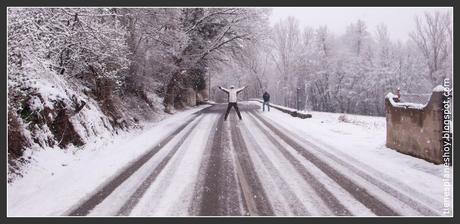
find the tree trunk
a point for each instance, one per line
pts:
(172, 90)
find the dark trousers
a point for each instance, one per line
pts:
(266, 103)
(230, 105)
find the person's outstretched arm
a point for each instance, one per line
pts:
(241, 89)
(223, 89)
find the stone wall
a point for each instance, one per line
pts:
(416, 129)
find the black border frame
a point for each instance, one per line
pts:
(204, 3)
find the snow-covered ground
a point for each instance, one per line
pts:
(57, 179)
(360, 140)
(348, 170)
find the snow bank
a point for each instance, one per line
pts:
(292, 112)
(50, 95)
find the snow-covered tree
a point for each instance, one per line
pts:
(433, 37)
(286, 41)
(212, 33)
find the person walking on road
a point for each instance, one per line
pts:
(232, 99)
(266, 98)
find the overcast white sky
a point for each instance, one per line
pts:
(400, 21)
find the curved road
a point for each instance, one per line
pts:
(255, 167)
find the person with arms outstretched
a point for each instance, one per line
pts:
(232, 99)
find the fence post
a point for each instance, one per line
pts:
(398, 93)
(297, 97)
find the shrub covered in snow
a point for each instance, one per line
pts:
(343, 118)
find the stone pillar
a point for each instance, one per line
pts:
(190, 99)
(202, 95)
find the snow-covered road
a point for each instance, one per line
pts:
(266, 164)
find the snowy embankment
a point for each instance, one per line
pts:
(361, 139)
(57, 179)
(292, 112)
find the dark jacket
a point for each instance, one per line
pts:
(266, 97)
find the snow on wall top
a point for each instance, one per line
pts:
(439, 88)
(418, 105)
(391, 96)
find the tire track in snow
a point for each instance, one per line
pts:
(329, 199)
(195, 205)
(172, 193)
(254, 194)
(85, 207)
(360, 193)
(293, 202)
(220, 188)
(137, 195)
(418, 206)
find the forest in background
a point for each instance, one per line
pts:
(75, 74)
(315, 69)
